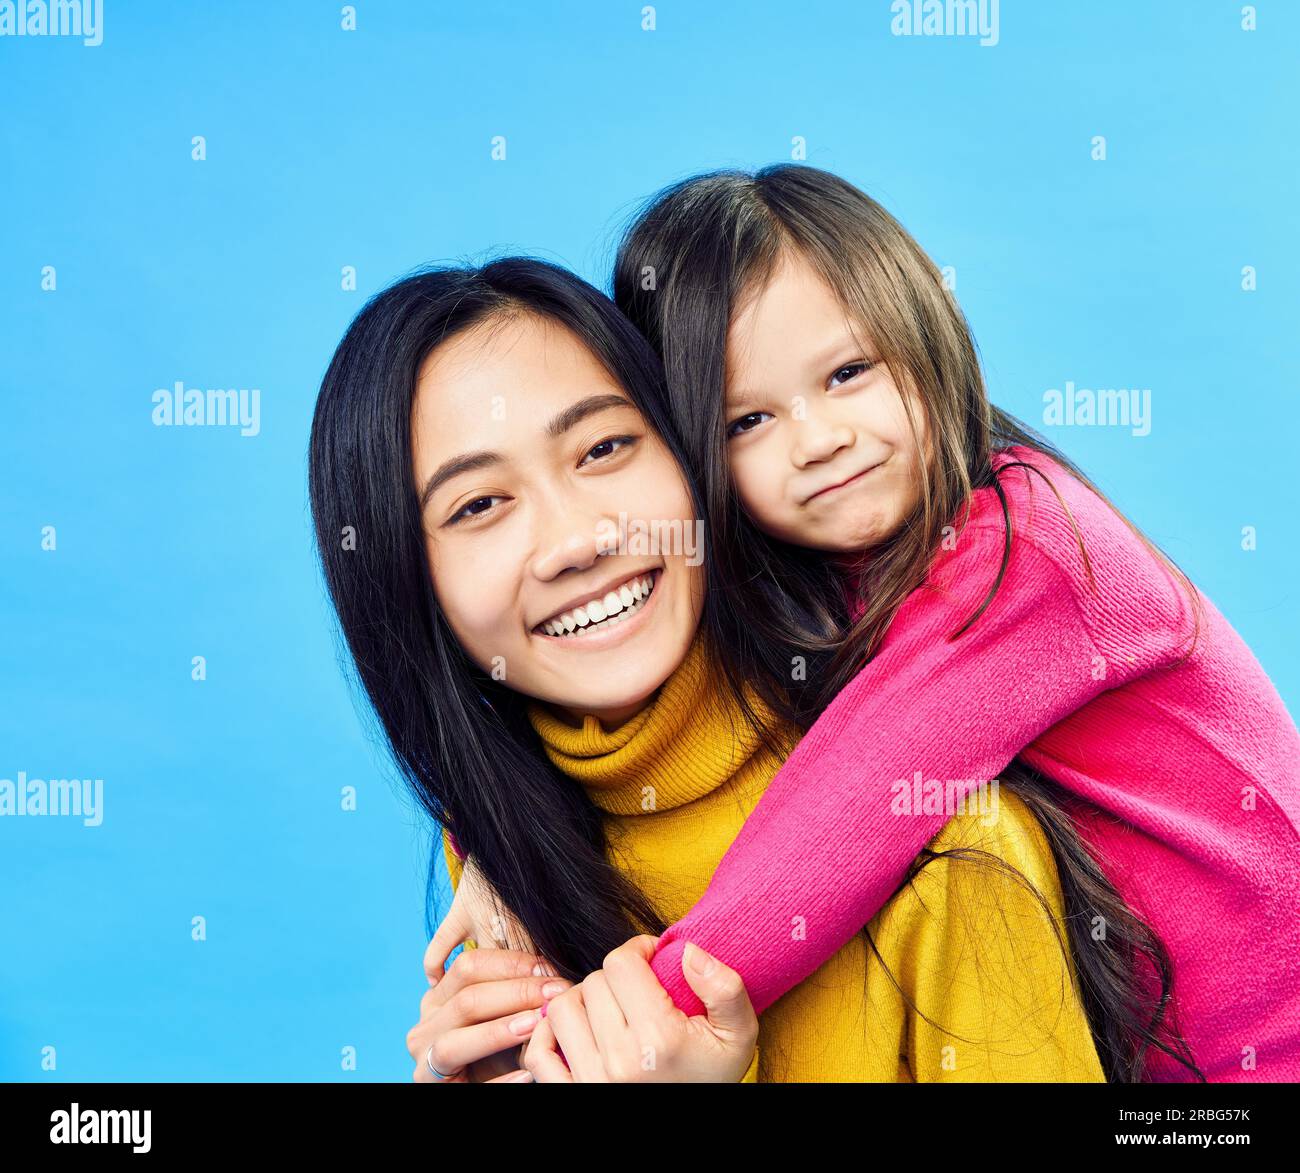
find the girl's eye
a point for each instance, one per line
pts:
(746, 423)
(475, 508)
(850, 371)
(606, 448)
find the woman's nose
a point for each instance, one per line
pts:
(569, 540)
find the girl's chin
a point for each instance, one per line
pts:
(850, 537)
(835, 547)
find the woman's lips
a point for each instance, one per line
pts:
(608, 634)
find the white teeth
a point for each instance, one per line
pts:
(616, 606)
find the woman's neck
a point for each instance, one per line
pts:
(689, 742)
(610, 719)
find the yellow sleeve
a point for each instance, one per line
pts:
(454, 864)
(979, 956)
(751, 1075)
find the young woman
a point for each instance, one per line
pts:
(1005, 617)
(476, 434)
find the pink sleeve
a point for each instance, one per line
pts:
(835, 831)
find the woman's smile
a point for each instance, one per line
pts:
(608, 618)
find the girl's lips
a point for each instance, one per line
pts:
(608, 635)
(853, 480)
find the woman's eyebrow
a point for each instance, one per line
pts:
(575, 413)
(466, 462)
(570, 417)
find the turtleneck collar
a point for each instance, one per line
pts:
(689, 740)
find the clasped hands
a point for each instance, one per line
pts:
(480, 1019)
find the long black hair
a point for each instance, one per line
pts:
(685, 264)
(462, 741)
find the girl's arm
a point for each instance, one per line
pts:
(927, 719)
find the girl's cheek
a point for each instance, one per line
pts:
(776, 518)
(755, 488)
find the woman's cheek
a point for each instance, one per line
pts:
(474, 597)
(656, 484)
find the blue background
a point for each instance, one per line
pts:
(372, 148)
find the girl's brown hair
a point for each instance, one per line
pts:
(685, 267)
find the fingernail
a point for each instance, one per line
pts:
(698, 960)
(538, 971)
(524, 1023)
(553, 989)
(521, 1077)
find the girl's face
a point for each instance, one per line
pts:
(820, 449)
(528, 454)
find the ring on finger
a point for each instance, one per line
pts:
(428, 1062)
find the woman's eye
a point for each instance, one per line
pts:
(606, 448)
(475, 508)
(849, 371)
(746, 423)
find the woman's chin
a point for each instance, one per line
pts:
(611, 701)
(612, 687)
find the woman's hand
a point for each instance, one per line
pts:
(477, 914)
(619, 1025)
(475, 1020)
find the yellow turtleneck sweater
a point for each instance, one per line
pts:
(971, 981)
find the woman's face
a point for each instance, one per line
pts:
(819, 445)
(529, 456)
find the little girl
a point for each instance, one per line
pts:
(1004, 614)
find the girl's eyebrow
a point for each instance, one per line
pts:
(815, 365)
(570, 417)
(828, 353)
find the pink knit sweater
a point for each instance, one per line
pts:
(1186, 772)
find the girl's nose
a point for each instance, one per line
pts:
(816, 441)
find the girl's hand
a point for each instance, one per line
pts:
(475, 1020)
(619, 1025)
